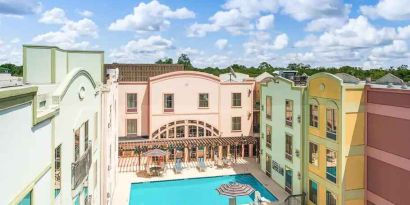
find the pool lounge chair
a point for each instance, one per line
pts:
(219, 164)
(201, 164)
(178, 166)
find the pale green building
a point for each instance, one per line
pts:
(282, 131)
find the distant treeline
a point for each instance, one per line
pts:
(402, 71)
(11, 68)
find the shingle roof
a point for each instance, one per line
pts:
(389, 79)
(347, 78)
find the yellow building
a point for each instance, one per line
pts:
(334, 148)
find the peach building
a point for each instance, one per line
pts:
(387, 140)
(204, 112)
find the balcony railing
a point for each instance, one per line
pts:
(80, 168)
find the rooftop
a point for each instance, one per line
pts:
(141, 72)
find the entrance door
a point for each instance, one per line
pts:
(288, 180)
(268, 165)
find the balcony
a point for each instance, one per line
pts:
(80, 168)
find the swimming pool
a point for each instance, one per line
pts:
(199, 191)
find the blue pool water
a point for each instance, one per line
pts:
(198, 191)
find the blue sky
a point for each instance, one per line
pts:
(368, 33)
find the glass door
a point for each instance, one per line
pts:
(268, 165)
(288, 180)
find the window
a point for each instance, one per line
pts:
(171, 133)
(314, 119)
(236, 100)
(85, 136)
(192, 130)
(289, 113)
(289, 147)
(313, 191)
(313, 154)
(269, 136)
(76, 144)
(57, 170)
(201, 132)
(132, 102)
(168, 102)
(331, 165)
(330, 198)
(288, 180)
(42, 104)
(331, 123)
(131, 126)
(203, 100)
(236, 124)
(26, 200)
(180, 131)
(269, 107)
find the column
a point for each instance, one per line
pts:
(243, 151)
(220, 152)
(205, 151)
(250, 150)
(186, 152)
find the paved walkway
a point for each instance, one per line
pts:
(247, 165)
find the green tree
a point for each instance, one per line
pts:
(184, 60)
(12, 69)
(165, 60)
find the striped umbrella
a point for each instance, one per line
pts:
(235, 189)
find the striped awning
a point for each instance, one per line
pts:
(235, 189)
(186, 142)
(155, 153)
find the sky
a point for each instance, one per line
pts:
(365, 33)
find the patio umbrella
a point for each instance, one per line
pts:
(234, 190)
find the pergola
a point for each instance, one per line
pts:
(142, 145)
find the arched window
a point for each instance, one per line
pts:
(185, 129)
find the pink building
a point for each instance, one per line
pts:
(211, 115)
(387, 136)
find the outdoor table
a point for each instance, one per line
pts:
(155, 170)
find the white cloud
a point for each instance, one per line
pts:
(189, 51)
(388, 9)
(200, 30)
(221, 61)
(86, 13)
(152, 16)
(325, 23)
(252, 8)
(265, 22)
(221, 43)
(263, 47)
(10, 52)
(356, 33)
(398, 49)
(144, 49)
(403, 32)
(53, 16)
(308, 9)
(20, 7)
(70, 35)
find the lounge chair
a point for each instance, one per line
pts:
(219, 164)
(178, 166)
(227, 163)
(201, 164)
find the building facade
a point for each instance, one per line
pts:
(282, 133)
(387, 142)
(334, 148)
(188, 105)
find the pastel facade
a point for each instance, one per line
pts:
(26, 148)
(387, 144)
(200, 105)
(59, 118)
(282, 133)
(334, 148)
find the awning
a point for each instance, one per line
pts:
(186, 142)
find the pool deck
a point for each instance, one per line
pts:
(247, 165)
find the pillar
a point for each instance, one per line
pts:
(220, 152)
(243, 151)
(205, 151)
(250, 150)
(186, 154)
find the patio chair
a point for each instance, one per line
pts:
(178, 166)
(227, 163)
(201, 164)
(219, 164)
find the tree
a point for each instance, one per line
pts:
(12, 69)
(184, 60)
(264, 66)
(165, 60)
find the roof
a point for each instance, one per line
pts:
(263, 76)
(389, 79)
(142, 72)
(346, 78)
(229, 77)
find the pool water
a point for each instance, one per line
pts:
(199, 191)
